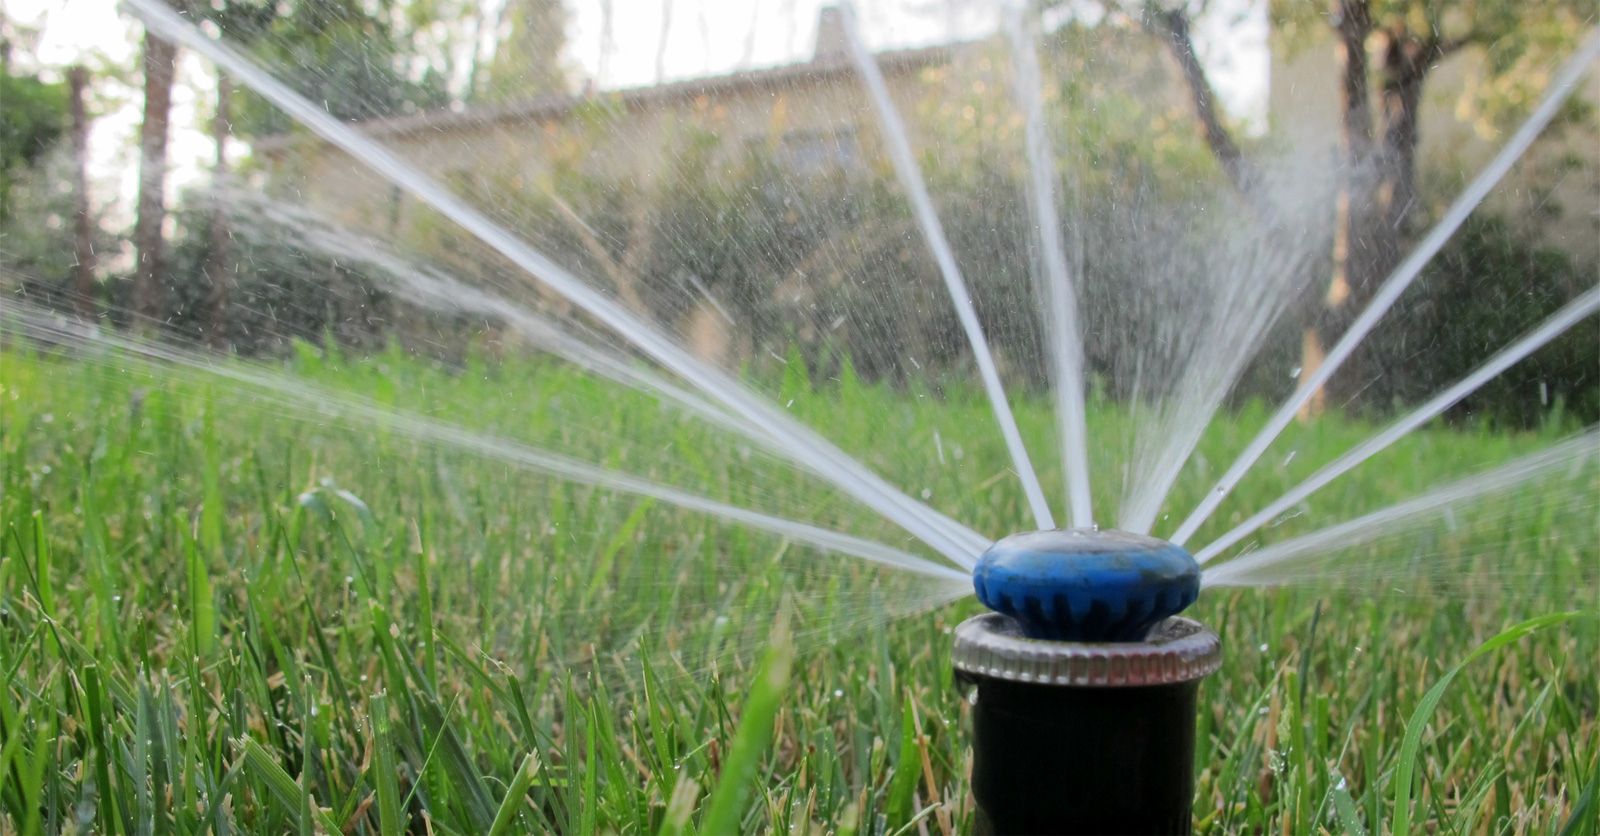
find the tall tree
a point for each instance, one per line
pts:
(1386, 51)
(218, 263)
(34, 116)
(83, 265)
(346, 55)
(527, 57)
(160, 69)
(246, 22)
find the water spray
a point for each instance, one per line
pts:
(1083, 683)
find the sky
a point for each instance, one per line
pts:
(646, 41)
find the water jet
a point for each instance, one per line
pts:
(1083, 682)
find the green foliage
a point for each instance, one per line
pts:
(1484, 290)
(280, 292)
(36, 240)
(35, 116)
(1520, 42)
(527, 60)
(343, 55)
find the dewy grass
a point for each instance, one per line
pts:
(214, 615)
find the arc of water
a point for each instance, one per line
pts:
(910, 177)
(312, 399)
(1056, 285)
(955, 541)
(1263, 267)
(1257, 568)
(1561, 86)
(1556, 325)
(438, 291)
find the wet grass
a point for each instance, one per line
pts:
(221, 613)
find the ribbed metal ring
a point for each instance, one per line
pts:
(1177, 650)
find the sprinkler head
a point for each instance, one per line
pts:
(1086, 585)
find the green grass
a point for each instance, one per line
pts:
(222, 613)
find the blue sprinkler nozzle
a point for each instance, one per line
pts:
(1086, 585)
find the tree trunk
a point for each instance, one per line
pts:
(1378, 197)
(1405, 68)
(1358, 259)
(1173, 28)
(83, 267)
(160, 67)
(219, 237)
(1378, 188)
(475, 57)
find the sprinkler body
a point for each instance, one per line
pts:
(1084, 684)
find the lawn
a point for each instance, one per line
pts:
(223, 608)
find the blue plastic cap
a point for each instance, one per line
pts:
(1086, 585)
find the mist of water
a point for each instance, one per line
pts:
(430, 288)
(1561, 86)
(1063, 336)
(1244, 277)
(911, 180)
(309, 400)
(1554, 326)
(1313, 556)
(952, 539)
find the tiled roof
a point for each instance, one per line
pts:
(556, 105)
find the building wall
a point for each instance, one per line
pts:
(957, 103)
(810, 121)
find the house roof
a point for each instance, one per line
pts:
(822, 69)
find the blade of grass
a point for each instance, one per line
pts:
(1345, 806)
(282, 788)
(1417, 725)
(679, 808)
(516, 796)
(753, 735)
(385, 770)
(903, 784)
(1585, 816)
(105, 810)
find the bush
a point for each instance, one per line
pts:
(1487, 288)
